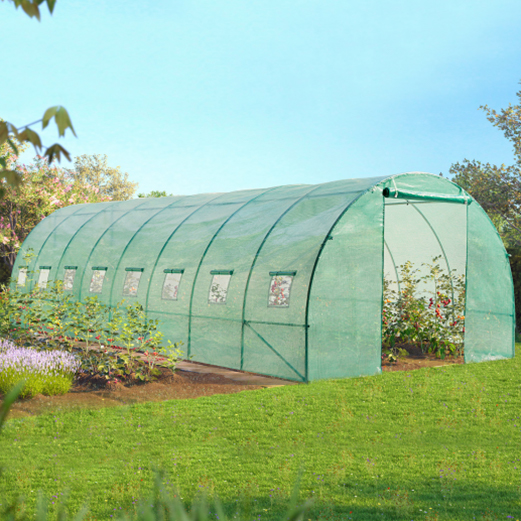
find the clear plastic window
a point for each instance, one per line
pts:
(96, 283)
(131, 283)
(43, 277)
(68, 279)
(219, 289)
(279, 291)
(171, 286)
(22, 276)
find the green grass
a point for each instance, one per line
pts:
(440, 443)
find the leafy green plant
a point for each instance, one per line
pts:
(8, 310)
(57, 315)
(88, 320)
(136, 332)
(172, 355)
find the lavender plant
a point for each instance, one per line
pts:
(44, 372)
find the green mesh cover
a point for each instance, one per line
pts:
(285, 281)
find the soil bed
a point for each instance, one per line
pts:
(417, 359)
(93, 392)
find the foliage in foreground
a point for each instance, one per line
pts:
(11, 134)
(434, 320)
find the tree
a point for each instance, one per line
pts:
(10, 134)
(93, 170)
(498, 188)
(44, 189)
(154, 193)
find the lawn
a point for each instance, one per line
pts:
(436, 443)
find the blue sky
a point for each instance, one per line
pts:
(194, 96)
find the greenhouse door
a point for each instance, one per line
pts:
(426, 234)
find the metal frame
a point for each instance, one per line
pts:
(259, 249)
(189, 347)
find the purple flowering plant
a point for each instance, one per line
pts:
(44, 372)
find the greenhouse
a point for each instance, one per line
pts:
(285, 281)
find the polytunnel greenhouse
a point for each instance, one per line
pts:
(285, 281)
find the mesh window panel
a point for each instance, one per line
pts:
(219, 289)
(279, 292)
(171, 286)
(96, 282)
(68, 279)
(43, 277)
(22, 277)
(131, 284)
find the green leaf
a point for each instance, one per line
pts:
(3, 162)
(61, 116)
(50, 5)
(13, 146)
(55, 151)
(12, 395)
(31, 9)
(32, 137)
(63, 121)
(49, 114)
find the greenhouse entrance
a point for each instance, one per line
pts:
(425, 254)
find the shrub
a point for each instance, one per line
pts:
(44, 372)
